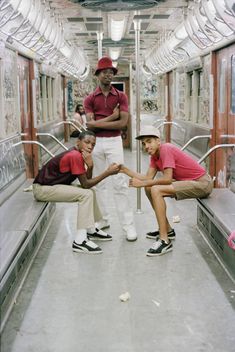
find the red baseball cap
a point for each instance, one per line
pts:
(105, 63)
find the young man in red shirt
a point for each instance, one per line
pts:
(54, 184)
(182, 177)
(107, 114)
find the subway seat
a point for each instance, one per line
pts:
(23, 225)
(216, 220)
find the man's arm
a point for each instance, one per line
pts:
(117, 124)
(88, 183)
(151, 172)
(166, 179)
(89, 163)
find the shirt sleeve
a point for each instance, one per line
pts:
(74, 163)
(123, 103)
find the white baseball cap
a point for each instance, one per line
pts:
(148, 130)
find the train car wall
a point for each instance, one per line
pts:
(9, 118)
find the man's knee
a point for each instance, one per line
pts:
(156, 191)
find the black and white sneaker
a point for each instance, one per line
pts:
(155, 235)
(159, 247)
(87, 247)
(99, 235)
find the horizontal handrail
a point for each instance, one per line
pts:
(158, 120)
(194, 139)
(171, 123)
(72, 120)
(227, 136)
(69, 123)
(33, 142)
(229, 145)
(53, 137)
(9, 138)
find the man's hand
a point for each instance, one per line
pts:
(135, 182)
(91, 125)
(113, 169)
(87, 159)
(123, 169)
(116, 112)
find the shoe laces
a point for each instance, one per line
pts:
(157, 244)
(101, 232)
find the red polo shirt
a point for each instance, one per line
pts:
(102, 106)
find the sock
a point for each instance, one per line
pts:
(91, 230)
(81, 236)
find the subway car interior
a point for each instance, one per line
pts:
(175, 62)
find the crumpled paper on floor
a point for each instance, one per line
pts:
(176, 218)
(125, 296)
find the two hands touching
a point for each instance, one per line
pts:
(113, 169)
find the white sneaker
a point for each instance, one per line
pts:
(103, 224)
(131, 234)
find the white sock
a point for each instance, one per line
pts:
(91, 230)
(81, 236)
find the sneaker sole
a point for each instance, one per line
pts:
(158, 254)
(131, 240)
(85, 252)
(99, 239)
(154, 237)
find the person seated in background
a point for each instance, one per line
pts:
(54, 184)
(182, 177)
(79, 120)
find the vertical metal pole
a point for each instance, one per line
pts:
(99, 40)
(137, 25)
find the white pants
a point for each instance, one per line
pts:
(110, 150)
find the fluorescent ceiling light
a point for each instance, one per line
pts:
(117, 29)
(114, 53)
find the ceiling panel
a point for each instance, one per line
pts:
(81, 24)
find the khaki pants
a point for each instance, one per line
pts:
(88, 210)
(200, 188)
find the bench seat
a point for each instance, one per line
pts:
(23, 224)
(216, 220)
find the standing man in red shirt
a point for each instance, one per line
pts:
(182, 177)
(54, 184)
(107, 114)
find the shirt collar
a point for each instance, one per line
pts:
(99, 91)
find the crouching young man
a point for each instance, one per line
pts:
(54, 184)
(182, 177)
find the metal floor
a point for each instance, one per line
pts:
(181, 301)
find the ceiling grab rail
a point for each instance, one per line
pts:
(33, 142)
(230, 145)
(53, 137)
(194, 139)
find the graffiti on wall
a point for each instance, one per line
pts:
(10, 94)
(12, 161)
(149, 95)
